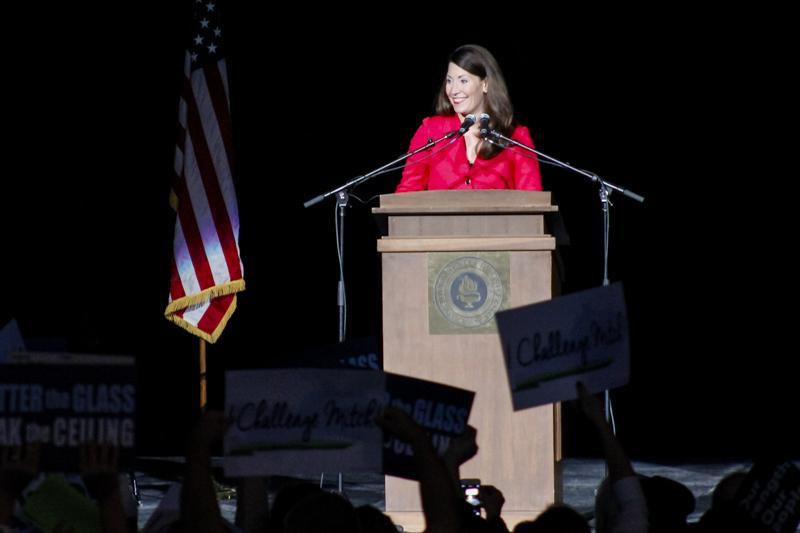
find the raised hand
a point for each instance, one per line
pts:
(462, 448)
(399, 423)
(492, 501)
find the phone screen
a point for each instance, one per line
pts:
(471, 488)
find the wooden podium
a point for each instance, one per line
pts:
(450, 260)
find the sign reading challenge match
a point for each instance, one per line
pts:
(65, 406)
(306, 421)
(551, 345)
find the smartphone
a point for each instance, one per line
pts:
(471, 487)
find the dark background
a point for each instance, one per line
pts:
(687, 109)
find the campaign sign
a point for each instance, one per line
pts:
(770, 496)
(551, 345)
(305, 421)
(66, 406)
(355, 353)
(441, 409)
(302, 421)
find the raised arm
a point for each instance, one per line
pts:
(199, 507)
(439, 497)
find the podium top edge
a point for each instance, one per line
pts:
(450, 201)
(461, 209)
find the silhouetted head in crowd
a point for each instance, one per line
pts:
(725, 491)
(324, 512)
(286, 499)
(556, 519)
(374, 521)
(669, 504)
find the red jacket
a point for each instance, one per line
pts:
(448, 167)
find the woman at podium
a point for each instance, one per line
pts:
(473, 102)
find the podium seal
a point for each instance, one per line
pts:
(468, 291)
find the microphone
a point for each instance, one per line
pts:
(484, 125)
(469, 120)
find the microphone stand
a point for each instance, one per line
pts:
(342, 199)
(606, 188)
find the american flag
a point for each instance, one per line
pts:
(206, 268)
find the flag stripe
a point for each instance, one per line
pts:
(209, 240)
(187, 282)
(207, 172)
(218, 90)
(176, 289)
(215, 312)
(192, 236)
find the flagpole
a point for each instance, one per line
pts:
(202, 375)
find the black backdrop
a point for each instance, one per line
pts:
(685, 109)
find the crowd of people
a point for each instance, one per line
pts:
(626, 502)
